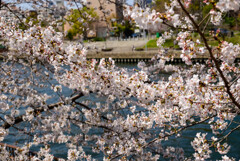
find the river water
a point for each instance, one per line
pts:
(60, 151)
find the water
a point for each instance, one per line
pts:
(59, 150)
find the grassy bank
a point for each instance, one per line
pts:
(170, 43)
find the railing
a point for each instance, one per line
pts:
(132, 38)
(11, 149)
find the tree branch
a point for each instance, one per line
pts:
(170, 134)
(37, 111)
(226, 136)
(226, 83)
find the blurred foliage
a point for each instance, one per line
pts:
(98, 39)
(206, 9)
(2, 47)
(127, 28)
(32, 18)
(80, 20)
(231, 21)
(160, 5)
(70, 34)
(195, 7)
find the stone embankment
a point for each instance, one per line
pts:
(136, 56)
(124, 52)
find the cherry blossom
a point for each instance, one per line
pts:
(227, 5)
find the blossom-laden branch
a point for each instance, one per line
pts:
(228, 89)
(38, 111)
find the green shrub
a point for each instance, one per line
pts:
(98, 39)
(70, 35)
(139, 49)
(152, 43)
(2, 46)
(168, 43)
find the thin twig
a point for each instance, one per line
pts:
(206, 24)
(203, 19)
(226, 136)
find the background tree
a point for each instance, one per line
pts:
(231, 20)
(79, 22)
(126, 28)
(159, 5)
(33, 18)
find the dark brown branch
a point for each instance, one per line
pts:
(39, 110)
(179, 130)
(226, 136)
(91, 124)
(15, 148)
(226, 83)
(88, 108)
(78, 7)
(170, 134)
(171, 26)
(15, 14)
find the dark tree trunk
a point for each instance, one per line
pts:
(119, 10)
